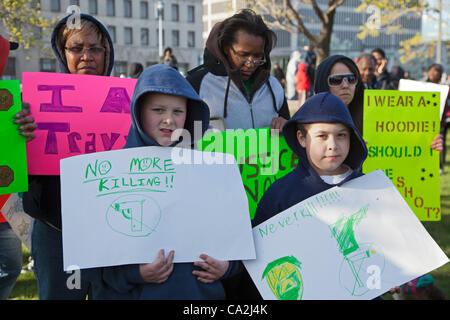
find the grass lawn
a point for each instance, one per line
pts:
(26, 287)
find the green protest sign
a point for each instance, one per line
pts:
(262, 157)
(399, 127)
(13, 159)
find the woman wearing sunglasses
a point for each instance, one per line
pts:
(340, 75)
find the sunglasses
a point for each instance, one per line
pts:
(336, 80)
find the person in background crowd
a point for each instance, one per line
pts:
(310, 60)
(291, 75)
(302, 87)
(366, 65)
(135, 70)
(381, 72)
(170, 59)
(434, 75)
(339, 75)
(397, 73)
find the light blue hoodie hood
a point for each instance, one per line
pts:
(166, 80)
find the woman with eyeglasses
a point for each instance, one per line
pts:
(85, 48)
(235, 80)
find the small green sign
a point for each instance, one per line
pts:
(13, 157)
(263, 157)
(399, 127)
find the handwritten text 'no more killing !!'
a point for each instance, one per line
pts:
(148, 174)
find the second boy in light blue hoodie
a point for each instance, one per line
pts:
(164, 101)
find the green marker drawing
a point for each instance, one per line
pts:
(131, 210)
(133, 215)
(343, 231)
(284, 278)
(356, 256)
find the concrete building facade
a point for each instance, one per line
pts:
(346, 27)
(133, 26)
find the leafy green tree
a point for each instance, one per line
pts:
(286, 15)
(23, 21)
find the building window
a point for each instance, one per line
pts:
(175, 12)
(10, 70)
(110, 8)
(191, 14)
(191, 39)
(144, 10)
(112, 33)
(55, 5)
(144, 37)
(127, 11)
(74, 2)
(92, 7)
(175, 38)
(128, 35)
(120, 68)
(47, 65)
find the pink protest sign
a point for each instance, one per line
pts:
(75, 114)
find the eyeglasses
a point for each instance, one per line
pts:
(336, 80)
(80, 50)
(246, 60)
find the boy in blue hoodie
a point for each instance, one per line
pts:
(331, 151)
(330, 148)
(162, 102)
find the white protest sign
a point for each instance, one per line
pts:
(355, 241)
(20, 222)
(123, 206)
(412, 85)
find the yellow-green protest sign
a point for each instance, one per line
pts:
(262, 157)
(399, 127)
(13, 157)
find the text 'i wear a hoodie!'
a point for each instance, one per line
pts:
(181, 284)
(223, 89)
(43, 199)
(304, 182)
